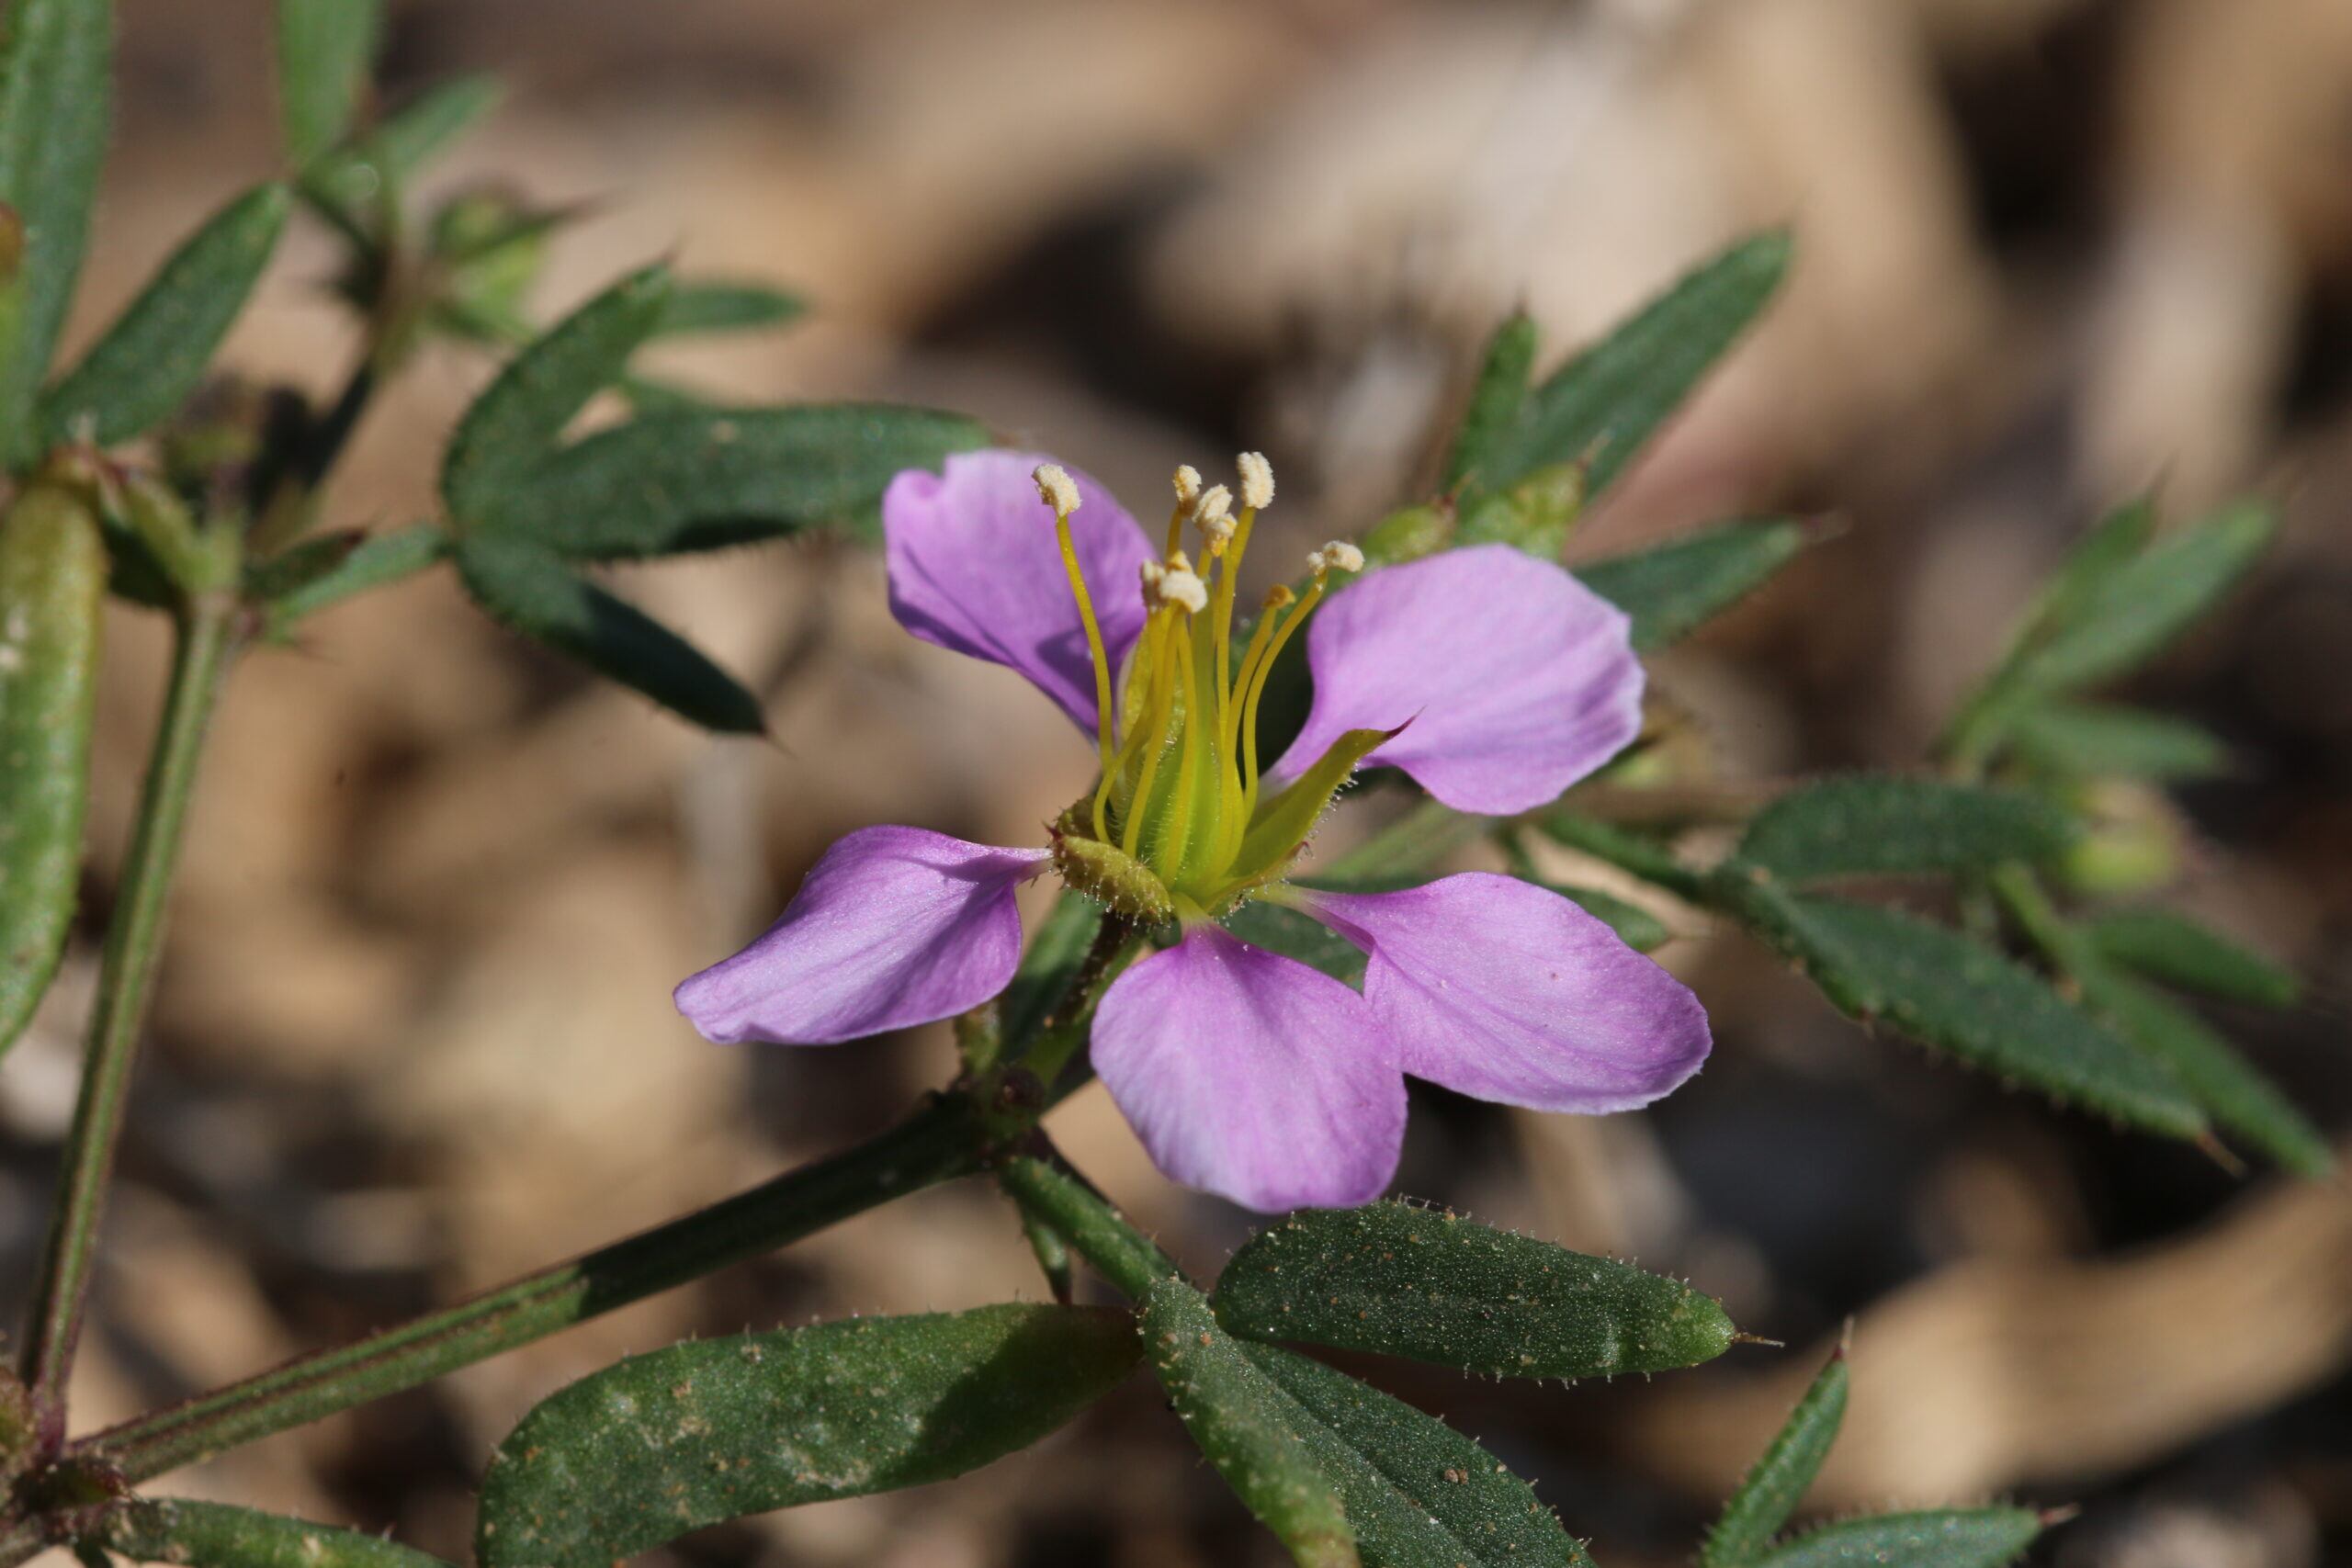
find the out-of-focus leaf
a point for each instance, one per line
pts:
(529, 591)
(1051, 966)
(1939, 987)
(52, 582)
(1634, 926)
(345, 183)
(2179, 951)
(712, 307)
(1773, 1487)
(1289, 1435)
(324, 49)
(1670, 590)
(2130, 613)
(686, 479)
(1297, 936)
(2091, 740)
(297, 586)
(1879, 826)
(1603, 405)
(661, 1444)
(2230, 1089)
(1947, 1538)
(1495, 402)
(1433, 1287)
(55, 99)
(156, 352)
(2104, 548)
(506, 436)
(214, 1535)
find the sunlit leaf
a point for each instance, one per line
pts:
(661, 1444)
(1434, 1287)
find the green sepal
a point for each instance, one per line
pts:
(1282, 824)
(1105, 872)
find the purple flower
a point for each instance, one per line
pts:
(1494, 679)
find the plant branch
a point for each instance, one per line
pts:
(204, 646)
(936, 1144)
(1053, 1195)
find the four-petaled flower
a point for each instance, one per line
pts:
(1494, 679)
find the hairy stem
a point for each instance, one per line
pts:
(1053, 1195)
(939, 1143)
(134, 938)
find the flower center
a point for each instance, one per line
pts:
(1180, 811)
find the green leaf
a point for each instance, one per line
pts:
(156, 352)
(2131, 613)
(687, 480)
(213, 1535)
(2095, 739)
(1433, 1287)
(324, 49)
(1939, 988)
(526, 590)
(349, 181)
(1946, 1537)
(508, 432)
(1877, 826)
(296, 584)
(2229, 1086)
(1672, 589)
(1773, 1487)
(2179, 951)
(1290, 1434)
(1496, 401)
(55, 99)
(663, 1444)
(2106, 548)
(711, 306)
(1605, 404)
(52, 584)
(1297, 936)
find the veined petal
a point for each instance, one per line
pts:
(892, 927)
(1518, 679)
(1506, 991)
(975, 567)
(1252, 1076)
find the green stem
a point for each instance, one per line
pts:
(937, 1144)
(126, 975)
(1053, 1195)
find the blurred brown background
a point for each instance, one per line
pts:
(415, 1035)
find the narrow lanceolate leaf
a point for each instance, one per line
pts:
(1634, 926)
(1496, 401)
(708, 307)
(2130, 614)
(526, 590)
(1947, 1538)
(1939, 987)
(1436, 1288)
(344, 183)
(1880, 826)
(325, 48)
(295, 585)
(152, 356)
(1674, 588)
(1771, 1490)
(661, 1444)
(2231, 1090)
(512, 427)
(1604, 405)
(1298, 936)
(1290, 1434)
(52, 580)
(213, 1535)
(698, 479)
(2179, 951)
(55, 92)
(2096, 739)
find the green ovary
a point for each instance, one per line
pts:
(1178, 825)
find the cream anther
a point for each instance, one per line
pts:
(1055, 489)
(1256, 480)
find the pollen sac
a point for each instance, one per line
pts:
(1256, 480)
(1055, 489)
(1107, 874)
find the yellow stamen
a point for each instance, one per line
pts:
(1155, 731)
(1093, 638)
(1258, 673)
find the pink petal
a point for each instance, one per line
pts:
(1517, 680)
(1252, 1075)
(973, 566)
(892, 927)
(1506, 991)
